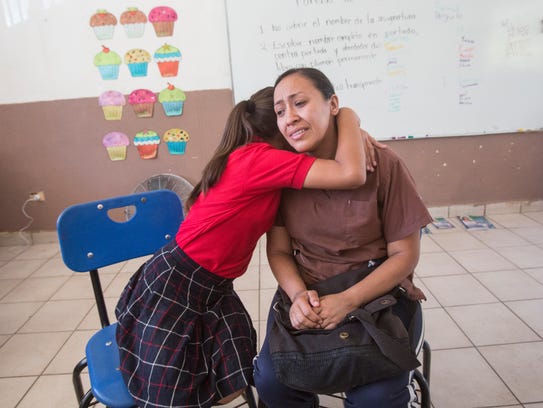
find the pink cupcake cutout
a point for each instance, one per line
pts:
(163, 19)
(143, 102)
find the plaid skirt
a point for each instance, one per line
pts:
(185, 339)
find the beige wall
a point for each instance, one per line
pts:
(56, 147)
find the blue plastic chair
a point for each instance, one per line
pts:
(102, 233)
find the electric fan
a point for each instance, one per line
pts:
(172, 182)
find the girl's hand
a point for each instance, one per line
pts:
(370, 144)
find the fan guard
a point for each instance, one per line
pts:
(172, 182)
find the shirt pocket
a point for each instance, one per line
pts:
(362, 223)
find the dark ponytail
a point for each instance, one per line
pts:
(249, 118)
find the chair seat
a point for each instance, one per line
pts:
(108, 385)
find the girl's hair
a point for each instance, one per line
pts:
(249, 118)
(319, 80)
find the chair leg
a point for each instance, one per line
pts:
(427, 355)
(76, 379)
(249, 397)
(87, 399)
(424, 389)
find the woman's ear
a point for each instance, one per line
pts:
(334, 105)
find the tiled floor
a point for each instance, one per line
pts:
(484, 315)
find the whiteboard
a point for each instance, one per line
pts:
(417, 68)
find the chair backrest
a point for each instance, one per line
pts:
(92, 235)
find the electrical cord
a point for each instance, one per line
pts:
(31, 220)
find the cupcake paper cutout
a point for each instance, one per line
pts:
(112, 103)
(143, 102)
(137, 60)
(115, 143)
(108, 63)
(163, 19)
(133, 22)
(172, 100)
(147, 142)
(103, 23)
(176, 140)
(167, 58)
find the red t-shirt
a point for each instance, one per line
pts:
(222, 228)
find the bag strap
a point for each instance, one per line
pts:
(398, 353)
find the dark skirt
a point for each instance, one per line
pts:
(185, 339)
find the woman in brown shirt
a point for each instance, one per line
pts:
(322, 233)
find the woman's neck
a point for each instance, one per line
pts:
(327, 148)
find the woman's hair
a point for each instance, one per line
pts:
(249, 118)
(319, 80)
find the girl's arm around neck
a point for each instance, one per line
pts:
(348, 169)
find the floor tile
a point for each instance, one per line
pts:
(12, 389)
(536, 216)
(20, 269)
(14, 315)
(427, 244)
(529, 256)
(438, 264)
(514, 220)
(511, 207)
(113, 285)
(490, 283)
(249, 280)
(531, 234)
(53, 316)
(92, 321)
(266, 296)
(29, 354)
(35, 289)
(536, 273)
(70, 353)
(519, 365)
(479, 260)
(7, 285)
(4, 338)
(442, 332)
(511, 285)
(499, 238)
(430, 301)
(458, 290)
(38, 251)
(267, 280)
(79, 286)
(50, 391)
(53, 267)
(7, 253)
(250, 300)
(131, 265)
(461, 378)
(457, 241)
(491, 323)
(530, 312)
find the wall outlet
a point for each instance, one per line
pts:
(39, 196)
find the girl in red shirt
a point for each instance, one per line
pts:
(185, 339)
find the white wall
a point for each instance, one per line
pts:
(48, 47)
